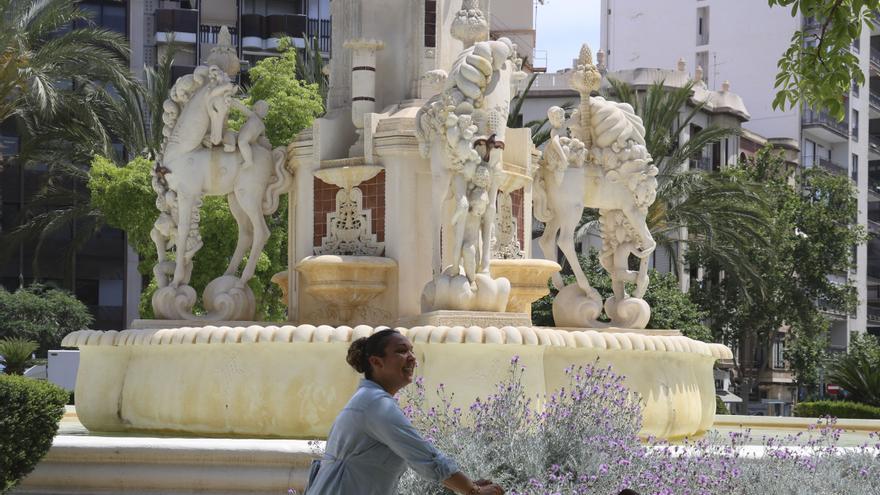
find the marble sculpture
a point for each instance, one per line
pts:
(201, 156)
(600, 161)
(461, 131)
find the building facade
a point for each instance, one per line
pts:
(741, 42)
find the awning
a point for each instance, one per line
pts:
(727, 397)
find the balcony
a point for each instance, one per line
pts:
(181, 25)
(703, 163)
(874, 147)
(873, 314)
(209, 33)
(873, 226)
(825, 127)
(875, 62)
(874, 99)
(833, 167)
(263, 33)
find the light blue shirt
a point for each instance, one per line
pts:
(370, 446)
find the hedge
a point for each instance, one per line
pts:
(836, 408)
(29, 414)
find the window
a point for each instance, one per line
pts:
(778, 353)
(855, 89)
(854, 125)
(857, 45)
(430, 23)
(109, 15)
(854, 171)
(808, 156)
(703, 26)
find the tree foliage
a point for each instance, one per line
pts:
(858, 371)
(69, 94)
(42, 315)
(15, 354)
(127, 197)
(809, 240)
(293, 103)
(671, 309)
(710, 212)
(818, 67)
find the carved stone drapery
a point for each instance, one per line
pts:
(505, 244)
(348, 228)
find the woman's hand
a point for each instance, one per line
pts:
(486, 487)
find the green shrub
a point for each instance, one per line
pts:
(720, 406)
(837, 409)
(42, 315)
(15, 354)
(29, 414)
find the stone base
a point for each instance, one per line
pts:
(169, 466)
(154, 324)
(291, 381)
(448, 318)
(640, 331)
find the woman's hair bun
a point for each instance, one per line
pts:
(355, 357)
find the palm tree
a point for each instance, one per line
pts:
(707, 212)
(71, 96)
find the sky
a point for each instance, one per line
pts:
(562, 27)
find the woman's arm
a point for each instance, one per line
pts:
(386, 423)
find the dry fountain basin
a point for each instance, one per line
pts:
(291, 381)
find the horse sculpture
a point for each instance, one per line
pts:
(617, 178)
(199, 157)
(462, 132)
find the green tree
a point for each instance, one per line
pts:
(671, 309)
(819, 67)
(15, 354)
(858, 371)
(71, 96)
(810, 236)
(293, 104)
(41, 315)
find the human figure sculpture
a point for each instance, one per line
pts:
(617, 178)
(253, 130)
(192, 164)
(462, 131)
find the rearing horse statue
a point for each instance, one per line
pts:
(200, 158)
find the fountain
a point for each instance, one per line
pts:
(410, 205)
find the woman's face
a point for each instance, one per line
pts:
(395, 370)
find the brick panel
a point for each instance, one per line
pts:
(516, 197)
(373, 200)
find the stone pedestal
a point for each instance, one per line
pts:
(447, 318)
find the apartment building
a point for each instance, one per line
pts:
(741, 42)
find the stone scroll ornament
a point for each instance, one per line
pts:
(201, 156)
(600, 161)
(461, 131)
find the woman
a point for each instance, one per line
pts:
(372, 442)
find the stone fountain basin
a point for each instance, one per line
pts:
(528, 280)
(292, 381)
(345, 281)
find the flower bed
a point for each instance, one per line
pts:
(583, 439)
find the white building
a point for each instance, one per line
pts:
(741, 42)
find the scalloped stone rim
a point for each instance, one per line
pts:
(423, 334)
